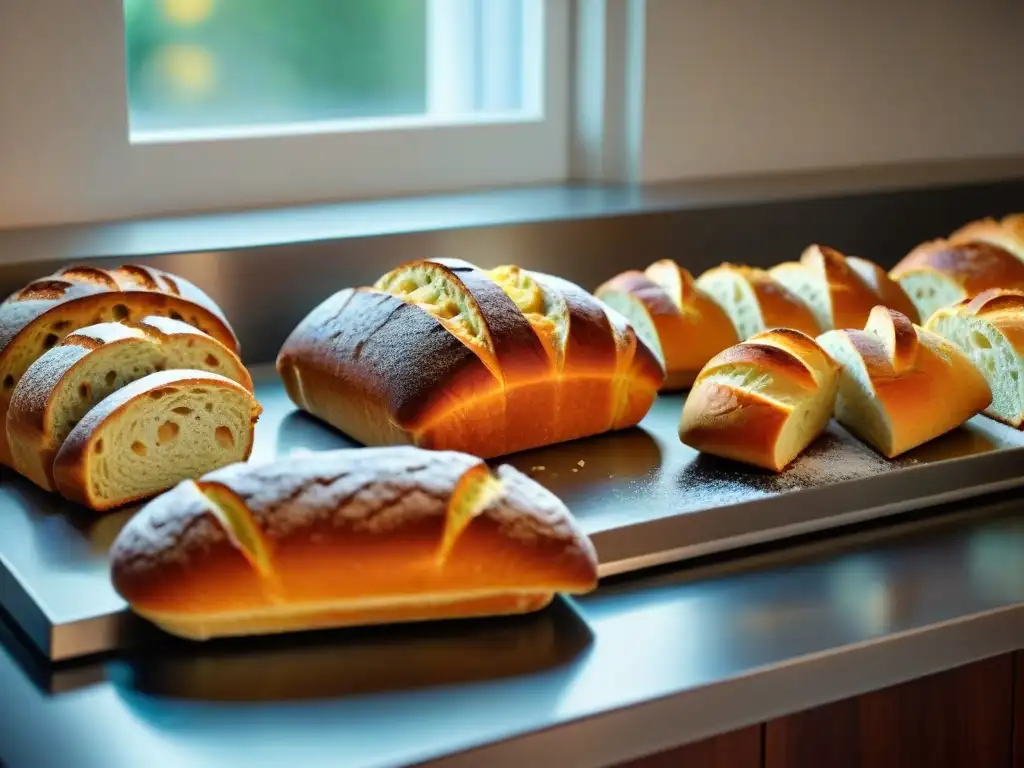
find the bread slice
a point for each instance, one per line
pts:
(154, 433)
(755, 301)
(940, 273)
(62, 386)
(763, 401)
(684, 325)
(348, 537)
(901, 385)
(42, 313)
(840, 291)
(989, 329)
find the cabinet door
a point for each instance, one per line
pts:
(963, 717)
(739, 749)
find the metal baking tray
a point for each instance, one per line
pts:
(644, 497)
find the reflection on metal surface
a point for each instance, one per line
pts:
(675, 656)
(643, 496)
(996, 560)
(339, 663)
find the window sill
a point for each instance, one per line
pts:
(260, 228)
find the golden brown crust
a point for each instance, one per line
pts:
(690, 326)
(349, 537)
(975, 266)
(889, 292)
(1004, 234)
(744, 399)
(78, 296)
(897, 334)
(937, 393)
(387, 369)
(71, 466)
(780, 307)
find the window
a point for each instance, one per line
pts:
(131, 108)
(231, 67)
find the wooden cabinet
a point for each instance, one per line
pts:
(963, 717)
(1018, 711)
(739, 749)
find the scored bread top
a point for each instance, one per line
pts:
(789, 358)
(370, 326)
(445, 355)
(349, 525)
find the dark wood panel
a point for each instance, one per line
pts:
(963, 717)
(739, 749)
(1018, 710)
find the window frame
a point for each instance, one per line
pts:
(66, 98)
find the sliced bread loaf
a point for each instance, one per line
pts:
(62, 386)
(154, 433)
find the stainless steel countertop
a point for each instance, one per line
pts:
(650, 661)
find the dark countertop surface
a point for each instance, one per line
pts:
(645, 663)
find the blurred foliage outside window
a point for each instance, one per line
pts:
(195, 64)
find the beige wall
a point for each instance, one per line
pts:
(747, 86)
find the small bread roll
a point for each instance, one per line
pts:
(762, 401)
(900, 385)
(680, 322)
(989, 329)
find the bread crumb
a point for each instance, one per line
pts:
(539, 468)
(575, 470)
(581, 463)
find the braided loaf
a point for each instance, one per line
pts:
(444, 355)
(42, 313)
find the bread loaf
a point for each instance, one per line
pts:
(841, 290)
(900, 385)
(151, 434)
(358, 536)
(940, 273)
(989, 329)
(42, 313)
(762, 401)
(62, 386)
(755, 301)
(443, 355)
(1007, 234)
(674, 318)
